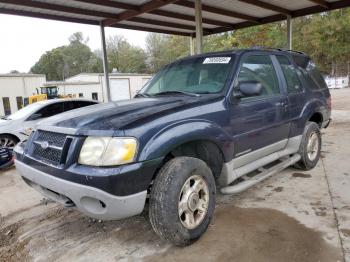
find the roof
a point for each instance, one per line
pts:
(22, 75)
(169, 16)
(63, 83)
(56, 100)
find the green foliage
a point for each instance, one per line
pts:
(125, 57)
(65, 61)
(163, 49)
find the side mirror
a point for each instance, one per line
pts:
(35, 116)
(249, 88)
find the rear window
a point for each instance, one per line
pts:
(313, 77)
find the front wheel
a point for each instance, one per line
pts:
(8, 141)
(310, 147)
(182, 200)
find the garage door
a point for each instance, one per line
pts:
(119, 89)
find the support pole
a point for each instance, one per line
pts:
(199, 26)
(289, 32)
(192, 45)
(105, 61)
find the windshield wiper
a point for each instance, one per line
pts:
(176, 92)
(141, 95)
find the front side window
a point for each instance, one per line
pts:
(200, 75)
(51, 110)
(290, 75)
(259, 68)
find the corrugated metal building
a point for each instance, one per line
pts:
(15, 87)
(92, 85)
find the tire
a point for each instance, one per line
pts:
(8, 141)
(173, 200)
(310, 154)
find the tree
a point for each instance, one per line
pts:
(65, 61)
(125, 57)
(163, 49)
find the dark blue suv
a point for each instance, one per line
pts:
(201, 122)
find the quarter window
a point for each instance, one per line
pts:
(289, 72)
(259, 68)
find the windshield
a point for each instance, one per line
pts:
(203, 75)
(50, 91)
(25, 111)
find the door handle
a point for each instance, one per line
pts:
(282, 104)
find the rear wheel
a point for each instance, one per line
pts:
(182, 200)
(8, 141)
(310, 147)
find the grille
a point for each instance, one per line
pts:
(52, 153)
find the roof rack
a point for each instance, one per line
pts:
(279, 49)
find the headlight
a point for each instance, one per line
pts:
(107, 151)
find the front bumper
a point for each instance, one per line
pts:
(91, 201)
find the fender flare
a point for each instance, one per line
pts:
(185, 131)
(311, 107)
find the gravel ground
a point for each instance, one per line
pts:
(293, 216)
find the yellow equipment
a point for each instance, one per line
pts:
(46, 92)
(36, 98)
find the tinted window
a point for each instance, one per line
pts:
(76, 104)
(259, 68)
(312, 76)
(315, 75)
(289, 72)
(51, 110)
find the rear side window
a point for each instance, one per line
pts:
(76, 104)
(259, 68)
(312, 76)
(290, 74)
(315, 75)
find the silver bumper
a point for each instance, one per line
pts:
(91, 201)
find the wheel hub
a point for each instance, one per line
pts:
(313, 146)
(193, 202)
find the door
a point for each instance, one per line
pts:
(120, 89)
(259, 124)
(295, 90)
(47, 111)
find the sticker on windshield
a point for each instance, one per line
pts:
(217, 60)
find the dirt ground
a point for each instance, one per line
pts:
(293, 216)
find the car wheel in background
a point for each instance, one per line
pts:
(8, 141)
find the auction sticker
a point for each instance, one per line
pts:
(217, 60)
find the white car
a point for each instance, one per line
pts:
(18, 126)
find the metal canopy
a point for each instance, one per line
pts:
(169, 16)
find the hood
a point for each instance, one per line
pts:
(120, 114)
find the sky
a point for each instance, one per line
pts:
(23, 40)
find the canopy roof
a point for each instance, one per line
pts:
(169, 16)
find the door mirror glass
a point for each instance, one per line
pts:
(248, 89)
